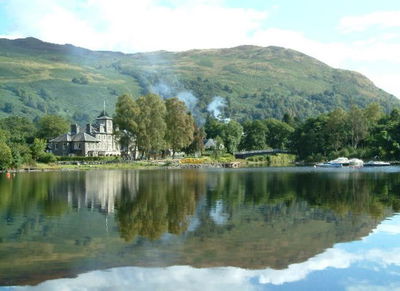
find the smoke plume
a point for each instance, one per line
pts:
(216, 107)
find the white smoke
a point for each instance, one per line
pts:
(189, 99)
(165, 90)
(162, 89)
(216, 108)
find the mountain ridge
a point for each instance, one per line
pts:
(256, 82)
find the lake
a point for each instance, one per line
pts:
(208, 229)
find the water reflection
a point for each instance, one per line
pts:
(60, 224)
(369, 264)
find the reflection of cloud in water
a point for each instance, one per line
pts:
(189, 278)
(231, 278)
(389, 226)
(217, 213)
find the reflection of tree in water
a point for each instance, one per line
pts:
(163, 202)
(276, 218)
(342, 192)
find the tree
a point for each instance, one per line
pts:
(231, 135)
(254, 133)
(5, 156)
(51, 126)
(151, 124)
(337, 129)
(197, 145)
(278, 133)
(21, 129)
(179, 125)
(310, 138)
(358, 125)
(125, 119)
(213, 127)
(38, 148)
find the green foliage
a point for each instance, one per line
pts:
(231, 134)
(151, 124)
(358, 133)
(21, 154)
(37, 148)
(254, 133)
(51, 126)
(197, 145)
(125, 121)
(47, 158)
(279, 133)
(212, 127)
(278, 160)
(21, 129)
(219, 149)
(5, 156)
(179, 125)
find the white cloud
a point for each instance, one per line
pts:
(137, 25)
(132, 26)
(382, 19)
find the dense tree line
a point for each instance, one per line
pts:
(24, 142)
(250, 135)
(363, 133)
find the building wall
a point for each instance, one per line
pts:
(60, 149)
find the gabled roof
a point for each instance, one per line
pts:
(83, 136)
(62, 138)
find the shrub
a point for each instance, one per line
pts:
(5, 156)
(47, 158)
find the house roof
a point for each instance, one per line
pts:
(83, 136)
(103, 115)
(62, 138)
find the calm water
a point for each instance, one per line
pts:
(242, 229)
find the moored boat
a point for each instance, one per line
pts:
(329, 165)
(337, 163)
(356, 163)
(376, 164)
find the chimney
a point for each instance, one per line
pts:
(74, 128)
(89, 128)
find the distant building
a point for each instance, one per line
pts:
(96, 140)
(211, 144)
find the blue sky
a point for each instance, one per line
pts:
(353, 34)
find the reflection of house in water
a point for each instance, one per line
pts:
(99, 189)
(103, 187)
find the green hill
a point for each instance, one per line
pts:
(254, 82)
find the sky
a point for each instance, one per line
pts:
(359, 35)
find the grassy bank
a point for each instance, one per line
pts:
(107, 163)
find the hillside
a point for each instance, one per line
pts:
(254, 82)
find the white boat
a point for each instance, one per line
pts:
(376, 164)
(337, 163)
(356, 163)
(328, 165)
(342, 160)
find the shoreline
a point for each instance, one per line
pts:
(135, 165)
